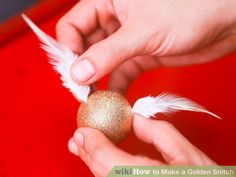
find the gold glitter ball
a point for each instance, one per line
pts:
(108, 112)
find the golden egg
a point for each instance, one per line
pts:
(108, 112)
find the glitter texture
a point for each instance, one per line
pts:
(108, 112)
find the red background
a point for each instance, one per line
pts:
(37, 115)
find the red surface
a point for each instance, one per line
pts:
(37, 115)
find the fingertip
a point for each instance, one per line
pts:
(155, 127)
(87, 132)
(79, 138)
(73, 148)
(139, 121)
(82, 71)
(84, 135)
(92, 140)
(98, 148)
(144, 128)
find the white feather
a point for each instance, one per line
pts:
(61, 59)
(166, 103)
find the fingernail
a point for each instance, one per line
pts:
(78, 137)
(72, 146)
(83, 70)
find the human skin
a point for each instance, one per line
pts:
(92, 147)
(129, 37)
(125, 38)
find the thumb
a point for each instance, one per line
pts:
(102, 57)
(101, 155)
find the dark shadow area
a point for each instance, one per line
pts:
(9, 8)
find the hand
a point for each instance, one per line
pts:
(92, 147)
(145, 35)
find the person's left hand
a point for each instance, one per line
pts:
(93, 147)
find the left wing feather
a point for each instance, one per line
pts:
(61, 58)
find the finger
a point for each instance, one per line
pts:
(106, 55)
(94, 148)
(110, 26)
(70, 36)
(74, 149)
(72, 146)
(174, 147)
(79, 22)
(130, 70)
(101, 33)
(95, 37)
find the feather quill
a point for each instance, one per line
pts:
(166, 103)
(61, 58)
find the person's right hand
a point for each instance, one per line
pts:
(145, 35)
(93, 147)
